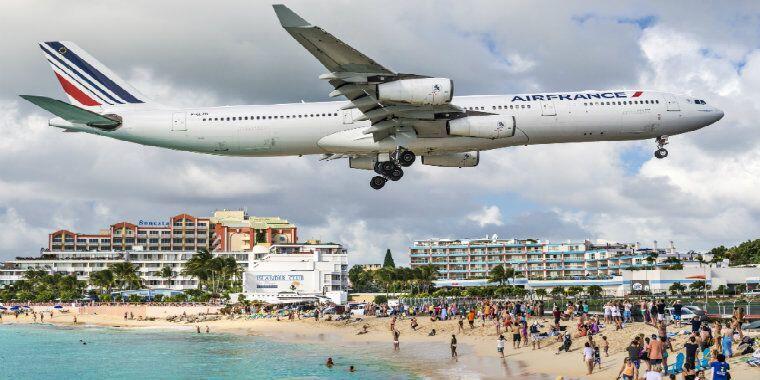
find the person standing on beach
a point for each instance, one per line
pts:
(395, 340)
(500, 345)
(198, 329)
(207, 329)
(588, 358)
(453, 346)
(461, 323)
(471, 318)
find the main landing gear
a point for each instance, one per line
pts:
(391, 170)
(661, 152)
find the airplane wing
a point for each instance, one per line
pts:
(389, 100)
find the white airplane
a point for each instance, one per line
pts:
(389, 119)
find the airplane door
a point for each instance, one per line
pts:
(672, 103)
(348, 117)
(547, 108)
(179, 122)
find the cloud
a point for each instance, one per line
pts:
(702, 195)
(487, 215)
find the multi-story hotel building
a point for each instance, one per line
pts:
(532, 259)
(225, 231)
(278, 257)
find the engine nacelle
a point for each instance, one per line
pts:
(489, 127)
(453, 160)
(363, 162)
(423, 91)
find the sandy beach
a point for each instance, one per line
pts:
(429, 354)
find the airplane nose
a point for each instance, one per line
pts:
(719, 114)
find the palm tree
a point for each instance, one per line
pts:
(103, 279)
(167, 273)
(199, 266)
(541, 293)
(126, 276)
(427, 274)
(498, 274)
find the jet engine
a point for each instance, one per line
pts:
(453, 160)
(489, 127)
(422, 91)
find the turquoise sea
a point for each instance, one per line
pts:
(50, 352)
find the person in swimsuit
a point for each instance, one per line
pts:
(453, 346)
(628, 370)
(395, 340)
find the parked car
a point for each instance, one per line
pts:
(686, 314)
(695, 309)
(357, 309)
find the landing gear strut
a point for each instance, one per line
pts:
(391, 170)
(661, 152)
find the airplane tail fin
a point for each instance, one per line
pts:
(87, 82)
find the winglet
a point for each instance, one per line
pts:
(288, 18)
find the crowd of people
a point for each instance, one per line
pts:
(647, 356)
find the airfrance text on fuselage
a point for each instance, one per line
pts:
(589, 96)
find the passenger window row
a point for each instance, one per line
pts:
(621, 103)
(241, 118)
(481, 108)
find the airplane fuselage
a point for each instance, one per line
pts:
(324, 127)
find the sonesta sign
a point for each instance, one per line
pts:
(151, 223)
(587, 96)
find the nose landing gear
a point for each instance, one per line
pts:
(391, 170)
(661, 152)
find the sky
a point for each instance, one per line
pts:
(186, 53)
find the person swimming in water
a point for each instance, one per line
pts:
(329, 363)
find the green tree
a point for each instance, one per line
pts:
(594, 291)
(426, 275)
(574, 290)
(103, 279)
(126, 276)
(388, 261)
(697, 286)
(357, 276)
(541, 293)
(557, 292)
(167, 274)
(199, 266)
(677, 288)
(498, 274)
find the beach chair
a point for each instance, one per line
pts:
(676, 367)
(705, 362)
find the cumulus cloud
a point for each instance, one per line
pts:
(487, 215)
(702, 195)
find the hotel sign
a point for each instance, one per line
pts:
(279, 277)
(152, 223)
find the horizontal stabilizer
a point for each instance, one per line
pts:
(73, 114)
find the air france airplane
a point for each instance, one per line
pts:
(388, 121)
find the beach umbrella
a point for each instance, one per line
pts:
(57, 307)
(3, 308)
(15, 308)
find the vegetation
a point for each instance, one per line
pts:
(747, 252)
(594, 291)
(39, 286)
(697, 286)
(388, 261)
(677, 288)
(214, 274)
(388, 279)
(501, 274)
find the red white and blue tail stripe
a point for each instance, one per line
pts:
(87, 82)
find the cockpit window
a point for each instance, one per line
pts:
(699, 101)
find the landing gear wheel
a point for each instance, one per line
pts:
(406, 158)
(387, 167)
(379, 167)
(661, 153)
(377, 182)
(396, 174)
